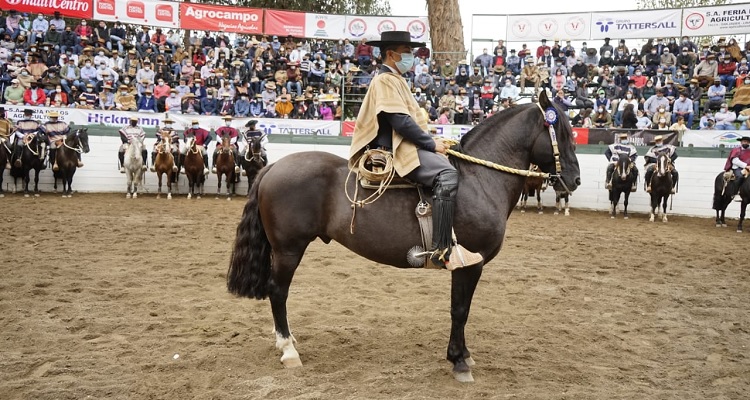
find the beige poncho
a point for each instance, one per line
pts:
(389, 93)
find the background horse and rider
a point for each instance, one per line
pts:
(661, 186)
(32, 158)
(4, 162)
(225, 167)
(164, 163)
(194, 169)
(68, 154)
(623, 180)
(271, 240)
(533, 185)
(133, 164)
(253, 158)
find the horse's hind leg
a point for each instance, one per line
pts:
(539, 208)
(664, 207)
(567, 205)
(158, 191)
(743, 208)
(463, 283)
(282, 270)
(36, 183)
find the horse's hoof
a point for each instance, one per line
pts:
(36, 194)
(127, 196)
(464, 377)
(64, 196)
(718, 225)
(523, 211)
(217, 197)
(135, 195)
(625, 217)
(189, 196)
(291, 362)
(739, 230)
(664, 220)
(556, 213)
(612, 217)
(229, 199)
(2, 195)
(169, 196)
(723, 225)
(567, 213)
(540, 212)
(26, 195)
(70, 196)
(198, 197)
(470, 361)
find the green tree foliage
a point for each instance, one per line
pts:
(660, 4)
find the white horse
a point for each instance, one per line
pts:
(134, 167)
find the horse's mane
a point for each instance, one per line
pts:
(499, 120)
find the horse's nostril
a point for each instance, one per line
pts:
(578, 181)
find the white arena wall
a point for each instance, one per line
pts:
(100, 174)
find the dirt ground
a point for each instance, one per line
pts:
(103, 297)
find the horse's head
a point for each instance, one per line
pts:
(624, 166)
(663, 165)
(166, 138)
(225, 145)
(82, 135)
(553, 148)
(256, 147)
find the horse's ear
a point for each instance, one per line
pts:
(544, 100)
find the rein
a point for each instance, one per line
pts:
(28, 144)
(78, 149)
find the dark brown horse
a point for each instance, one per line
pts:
(32, 157)
(301, 198)
(225, 164)
(194, 169)
(69, 149)
(661, 186)
(724, 190)
(622, 181)
(253, 160)
(744, 193)
(4, 159)
(534, 185)
(164, 163)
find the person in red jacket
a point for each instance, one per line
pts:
(363, 52)
(738, 160)
(34, 95)
(233, 134)
(84, 30)
(726, 69)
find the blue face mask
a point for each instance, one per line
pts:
(196, 126)
(624, 141)
(407, 61)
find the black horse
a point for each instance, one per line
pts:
(32, 157)
(4, 159)
(622, 182)
(745, 196)
(724, 191)
(253, 160)
(68, 153)
(301, 197)
(661, 186)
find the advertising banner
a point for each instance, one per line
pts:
(210, 17)
(712, 138)
(68, 8)
(370, 28)
(284, 23)
(324, 26)
(552, 26)
(638, 137)
(635, 24)
(82, 117)
(163, 14)
(719, 20)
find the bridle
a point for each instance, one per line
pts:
(629, 167)
(251, 144)
(78, 149)
(663, 165)
(27, 141)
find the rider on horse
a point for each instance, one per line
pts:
(252, 132)
(390, 119)
(613, 155)
(24, 127)
(233, 135)
(651, 157)
(56, 131)
(738, 161)
(127, 134)
(202, 139)
(174, 140)
(6, 129)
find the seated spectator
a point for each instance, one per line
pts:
(125, 100)
(226, 105)
(14, 93)
(716, 94)
(242, 106)
(256, 106)
(190, 105)
(741, 99)
(662, 112)
(683, 107)
(57, 98)
(679, 127)
(643, 121)
(34, 95)
(725, 118)
(209, 103)
(602, 118)
(147, 102)
(173, 102)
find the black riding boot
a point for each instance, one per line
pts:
(205, 161)
(16, 155)
(144, 155)
(53, 158)
(675, 179)
(445, 188)
(647, 179)
(610, 171)
(121, 158)
(634, 173)
(214, 157)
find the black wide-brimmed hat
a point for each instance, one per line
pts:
(395, 37)
(744, 138)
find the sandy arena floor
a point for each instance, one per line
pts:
(103, 297)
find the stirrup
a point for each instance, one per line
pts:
(213, 170)
(80, 164)
(55, 167)
(122, 170)
(244, 173)
(648, 189)
(174, 168)
(7, 165)
(153, 169)
(143, 168)
(236, 169)
(608, 186)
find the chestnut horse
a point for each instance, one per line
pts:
(193, 166)
(164, 163)
(225, 165)
(301, 197)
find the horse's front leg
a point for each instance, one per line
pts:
(539, 208)
(664, 207)
(36, 182)
(218, 188)
(625, 204)
(463, 283)
(654, 207)
(743, 208)
(26, 182)
(169, 186)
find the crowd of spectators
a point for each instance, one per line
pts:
(668, 83)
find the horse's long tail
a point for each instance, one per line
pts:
(720, 193)
(249, 272)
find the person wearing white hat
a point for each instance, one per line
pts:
(127, 135)
(613, 153)
(55, 130)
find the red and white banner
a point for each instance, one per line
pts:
(141, 12)
(719, 20)
(68, 8)
(548, 26)
(209, 17)
(324, 26)
(358, 27)
(285, 23)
